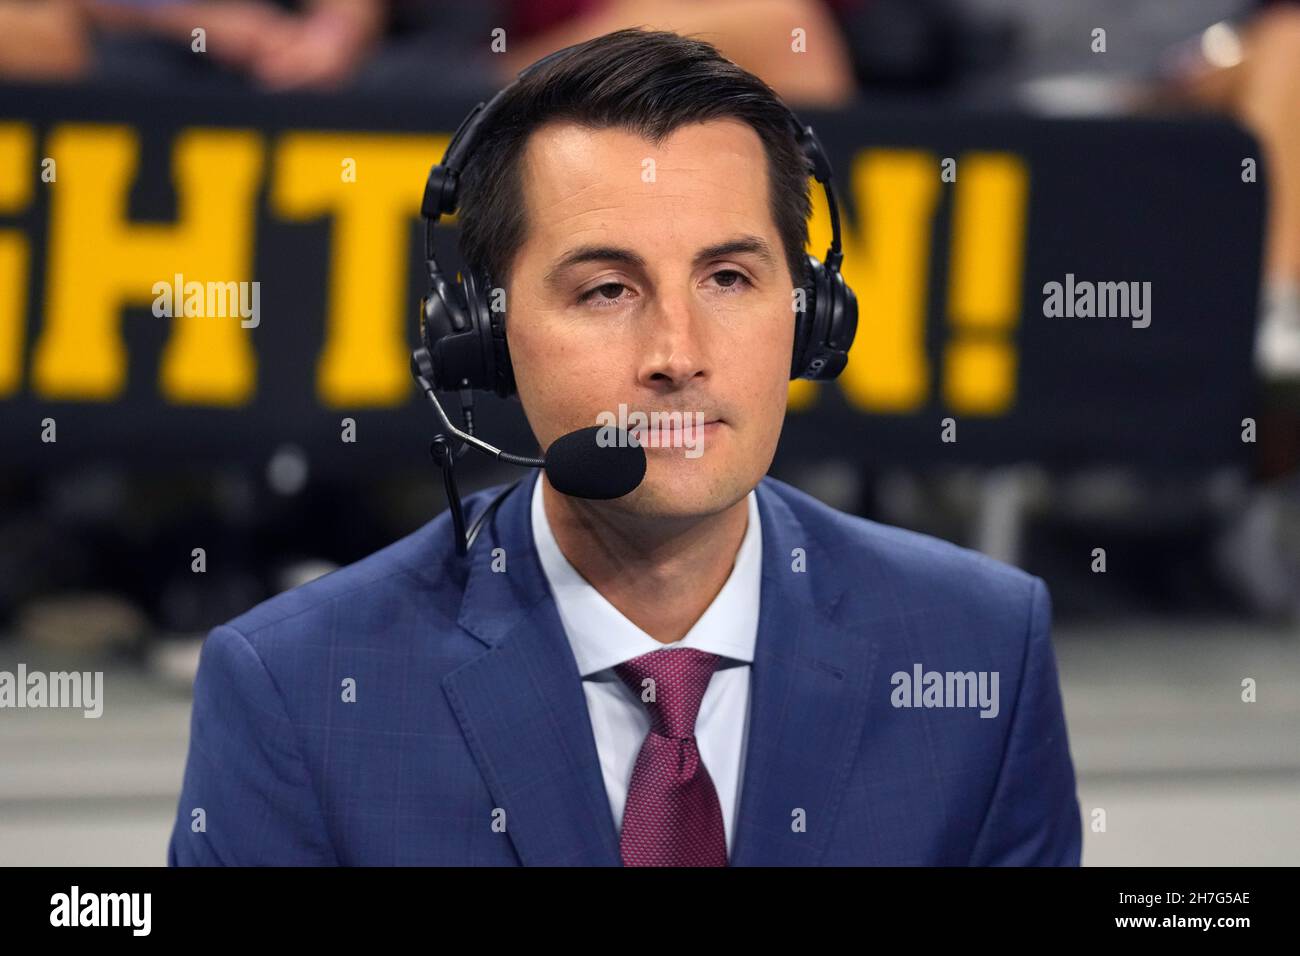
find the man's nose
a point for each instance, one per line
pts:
(674, 350)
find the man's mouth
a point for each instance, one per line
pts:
(688, 431)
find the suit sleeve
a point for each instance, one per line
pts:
(247, 798)
(1033, 819)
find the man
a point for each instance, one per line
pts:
(713, 669)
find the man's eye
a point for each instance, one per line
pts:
(601, 295)
(732, 277)
(609, 294)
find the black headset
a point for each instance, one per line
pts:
(463, 340)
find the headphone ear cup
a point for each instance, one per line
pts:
(456, 334)
(832, 320)
(490, 326)
(441, 319)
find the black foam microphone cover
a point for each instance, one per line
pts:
(578, 465)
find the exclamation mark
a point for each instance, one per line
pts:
(985, 269)
(17, 152)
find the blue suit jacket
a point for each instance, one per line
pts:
(468, 703)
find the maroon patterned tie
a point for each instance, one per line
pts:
(672, 816)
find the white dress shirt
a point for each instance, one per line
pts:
(602, 637)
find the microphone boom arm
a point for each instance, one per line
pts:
(469, 439)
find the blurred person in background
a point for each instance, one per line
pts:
(1251, 70)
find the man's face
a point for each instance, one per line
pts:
(654, 277)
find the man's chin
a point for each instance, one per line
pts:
(683, 488)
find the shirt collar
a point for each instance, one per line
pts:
(601, 636)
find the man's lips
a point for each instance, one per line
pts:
(671, 434)
(679, 426)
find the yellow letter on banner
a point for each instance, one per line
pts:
(365, 358)
(99, 262)
(17, 153)
(987, 262)
(886, 262)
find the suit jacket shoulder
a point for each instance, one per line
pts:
(917, 570)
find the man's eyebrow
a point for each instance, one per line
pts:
(754, 245)
(593, 254)
(738, 246)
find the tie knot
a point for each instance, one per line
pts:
(671, 683)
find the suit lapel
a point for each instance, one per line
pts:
(808, 698)
(521, 705)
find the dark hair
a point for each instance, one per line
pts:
(644, 81)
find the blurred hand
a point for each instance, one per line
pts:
(321, 50)
(237, 31)
(43, 41)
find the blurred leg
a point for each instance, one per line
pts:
(1268, 101)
